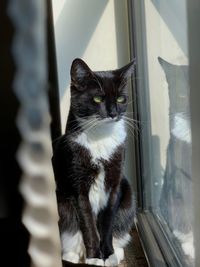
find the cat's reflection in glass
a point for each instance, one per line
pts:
(176, 193)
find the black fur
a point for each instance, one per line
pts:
(75, 172)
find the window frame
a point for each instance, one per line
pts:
(157, 246)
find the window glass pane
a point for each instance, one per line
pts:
(168, 185)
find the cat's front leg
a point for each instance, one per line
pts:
(89, 231)
(105, 225)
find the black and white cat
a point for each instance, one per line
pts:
(95, 202)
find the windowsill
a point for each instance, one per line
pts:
(134, 254)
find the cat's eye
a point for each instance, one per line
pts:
(121, 99)
(98, 99)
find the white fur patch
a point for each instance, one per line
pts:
(97, 194)
(71, 257)
(95, 261)
(118, 245)
(103, 140)
(187, 242)
(112, 261)
(119, 252)
(122, 241)
(181, 128)
(72, 246)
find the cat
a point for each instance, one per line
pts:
(176, 194)
(95, 202)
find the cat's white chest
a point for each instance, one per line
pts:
(181, 128)
(97, 195)
(103, 141)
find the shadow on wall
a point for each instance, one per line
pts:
(122, 34)
(174, 14)
(73, 30)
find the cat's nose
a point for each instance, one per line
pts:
(113, 115)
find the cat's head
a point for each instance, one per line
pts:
(102, 94)
(178, 86)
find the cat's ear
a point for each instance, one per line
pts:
(79, 72)
(126, 71)
(169, 68)
(165, 65)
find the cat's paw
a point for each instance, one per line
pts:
(71, 256)
(119, 252)
(112, 261)
(95, 261)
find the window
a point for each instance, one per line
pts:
(161, 47)
(165, 40)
